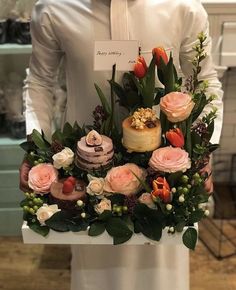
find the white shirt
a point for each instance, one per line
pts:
(69, 27)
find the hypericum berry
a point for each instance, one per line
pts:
(206, 212)
(83, 215)
(171, 230)
(169, 206)
(80, 202)
(181, 198)
(185, 179)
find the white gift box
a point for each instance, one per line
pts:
(82, 238)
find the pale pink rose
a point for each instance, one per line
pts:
(45, 212)
(176, 106)
(170, 159)
(122, 179)
(104, 204)
(41, 177)
(146, 198)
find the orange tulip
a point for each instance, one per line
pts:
(161, 189)
(159, 52)
(175, 137)
(140, 68)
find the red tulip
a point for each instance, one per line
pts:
(161, 189)
(159, 52)
(175, 137)
(140, 68)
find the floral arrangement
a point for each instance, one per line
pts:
(141, 178)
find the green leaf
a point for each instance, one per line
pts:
(67, 130)
(190, 238)
(143, 183)
(39, 140)
(196, 216)
(105, 215)
(103, 100)
(37, 228)
(121, 240)
(96, 229)
(149, 221)
(212, 147)
(174, 177)
(58, 222)
(169, 76)
(57, 135)
(116, 227)
(180, 226)
(148, 90)
(28, 146)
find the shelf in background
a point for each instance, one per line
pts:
(13, 48)
(5, 140)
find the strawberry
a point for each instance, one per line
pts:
(72, 180)
(68, 187)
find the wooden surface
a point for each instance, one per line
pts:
(37, 267)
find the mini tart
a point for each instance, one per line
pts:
(141, 140)
(67, 201)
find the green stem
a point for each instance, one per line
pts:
(113, 95)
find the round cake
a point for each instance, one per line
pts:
(94, 151)
(142, 131)
(67, 200)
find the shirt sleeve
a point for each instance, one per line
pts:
(45, 59)
(196, 21)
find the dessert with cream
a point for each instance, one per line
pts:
(142, 131)
(94, 151)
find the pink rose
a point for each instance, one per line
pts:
(146, 198)
(41, 177)
(176, 106)
(122, 179)
(169, 159)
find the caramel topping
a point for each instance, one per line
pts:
(144, 118)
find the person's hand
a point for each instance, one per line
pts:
(209, 182)
(24, 172)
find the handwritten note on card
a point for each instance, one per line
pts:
(123, 53)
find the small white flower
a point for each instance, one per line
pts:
(95, 186)
(45, 212)
(206, 212)
(63, 159)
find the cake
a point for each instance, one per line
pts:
(141, 131)
(94, 151)
(66, 199)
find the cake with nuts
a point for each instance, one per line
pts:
(142, 131)
(94, 151)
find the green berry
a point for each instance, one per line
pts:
(26, 208)
(31, 203)
(36, 162)
(185, 190)
(185, 179)
(125, 208)
(169, 206)
(31, 153)
(40, 160)
(31, 210)
(35, 208)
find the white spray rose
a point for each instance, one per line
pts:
(105, 204)
(45, 212)
(63, 159)
(95, 186)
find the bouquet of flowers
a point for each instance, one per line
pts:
(140, 176)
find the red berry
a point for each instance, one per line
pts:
(68, 187)
(72, 180)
